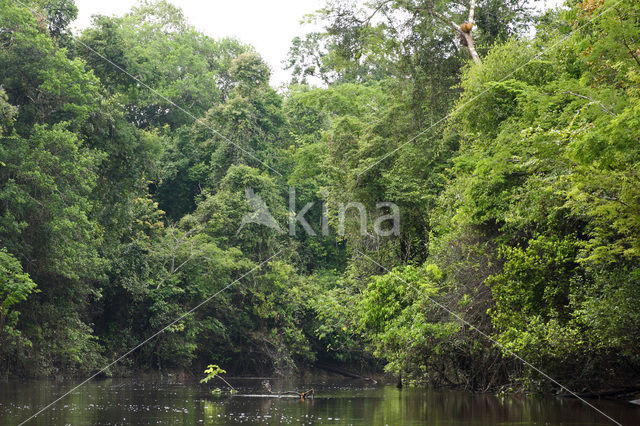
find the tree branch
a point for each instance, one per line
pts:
(444, 19)
(604, 108)
(377, 9)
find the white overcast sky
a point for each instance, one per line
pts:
(268, 25)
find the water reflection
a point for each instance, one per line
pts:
(117, 401)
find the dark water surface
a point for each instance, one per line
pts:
(342, 402)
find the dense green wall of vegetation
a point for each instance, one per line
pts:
(126, 151)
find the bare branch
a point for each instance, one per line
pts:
(444, 19)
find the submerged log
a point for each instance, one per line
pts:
(272, 395)
(303, 395)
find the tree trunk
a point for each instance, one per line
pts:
(467, 35)
(472, 48)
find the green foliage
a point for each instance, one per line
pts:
(517, 182)
(7, 113)
(184, 68)
(539, 207)
(403, 320)
(15, 287)
(212, 372)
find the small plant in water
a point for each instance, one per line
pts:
(212, 372)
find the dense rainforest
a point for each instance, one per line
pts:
(507, 137)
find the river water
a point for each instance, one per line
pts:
(337, 402)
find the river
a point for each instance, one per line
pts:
(337, 401)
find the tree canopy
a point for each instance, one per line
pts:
(132, 153)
